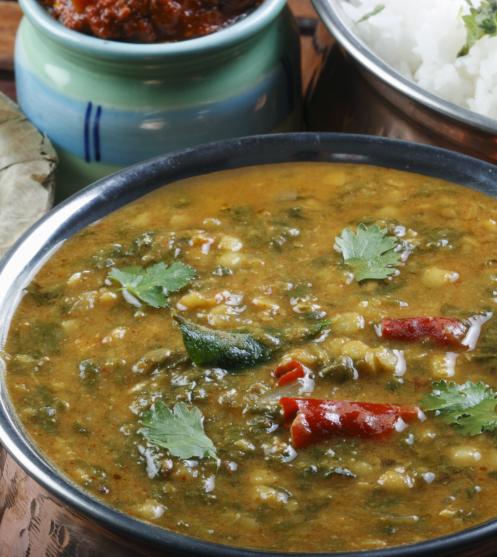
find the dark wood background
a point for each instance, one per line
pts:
(10, 15)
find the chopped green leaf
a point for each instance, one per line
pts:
(44, 296)
(39, 338)
(228, 350)
(369, 252)
(470, 407)
(46, 406)
(180, 431)
(153, 284)
(376, 10)
(89, 372)
(479, 22)
(293, 335)
(78, 427)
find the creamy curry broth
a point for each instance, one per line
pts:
(261, 240)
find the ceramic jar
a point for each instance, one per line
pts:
(106, 104)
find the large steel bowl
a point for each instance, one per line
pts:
(356, 91)
(42, 513)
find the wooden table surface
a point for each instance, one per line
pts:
(10, 15)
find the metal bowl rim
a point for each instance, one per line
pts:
(112, 192)
(329, 12)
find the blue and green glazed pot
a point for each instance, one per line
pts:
(106, 105)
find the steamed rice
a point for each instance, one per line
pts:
(422, 39)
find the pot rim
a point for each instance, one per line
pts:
(88, 45)
(42, 239)
(335, 19)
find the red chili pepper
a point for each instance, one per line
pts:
(289, 372)
(440, 330)
(313, 420)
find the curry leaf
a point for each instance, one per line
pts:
(228, 350)
(470, 407)
(369, 252)
(479, 22)
(153, 284)
(180, 431)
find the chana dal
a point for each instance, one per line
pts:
(295, 357)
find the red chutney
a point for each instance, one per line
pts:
(148, 21)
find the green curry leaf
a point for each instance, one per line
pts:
(470, 407)
(369, 252)
(479, 22)
(180, 431)
(152, 285)
(228, 350)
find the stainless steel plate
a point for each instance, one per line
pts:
(372, 97)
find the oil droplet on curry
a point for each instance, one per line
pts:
(296, 357)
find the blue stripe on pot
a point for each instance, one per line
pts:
(88, 112)
(95, 132)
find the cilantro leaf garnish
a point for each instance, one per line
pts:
(152, 285)
(479, 22)
(470, 407)
(369, 252)
(180, 431)
(376, 10)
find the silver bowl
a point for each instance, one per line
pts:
(356, 91)
(42, 513)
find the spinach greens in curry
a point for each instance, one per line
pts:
(296, 357)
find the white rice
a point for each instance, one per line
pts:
(422, 39)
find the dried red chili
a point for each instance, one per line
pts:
(313, 420)
(289, 372)
(440, 330)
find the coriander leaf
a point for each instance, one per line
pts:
(369, 252)
(483, 417)
(228, 350)
(479, 22)
(448, 395)
(175, 277)
(470, 407)
(180, 431)
(153, 284)
(376, 10)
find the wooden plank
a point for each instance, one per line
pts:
(7, 84)
(302, 8)
(308, 61)
(10, 15)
